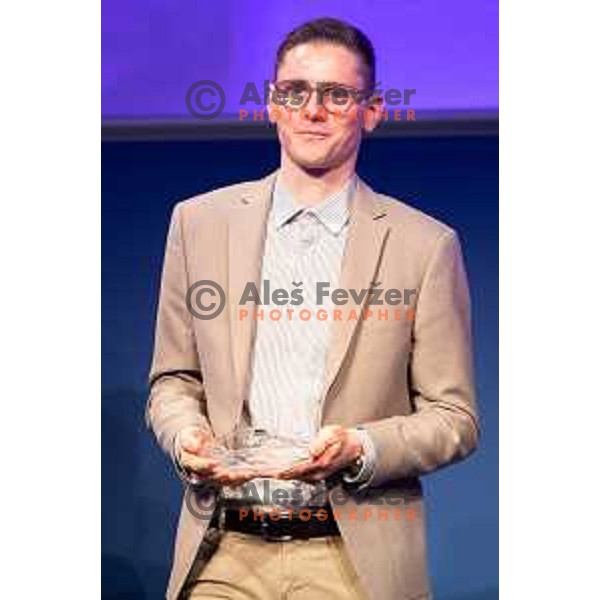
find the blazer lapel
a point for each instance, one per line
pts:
(367, 232)
(247, 232)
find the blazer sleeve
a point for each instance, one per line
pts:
(177, 396)
(444, 426)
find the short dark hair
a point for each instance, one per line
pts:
(332, 31)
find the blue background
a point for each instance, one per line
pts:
(452, 178)
(154, 50)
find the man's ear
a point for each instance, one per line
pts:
(373, 113)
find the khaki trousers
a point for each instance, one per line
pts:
(247, 567)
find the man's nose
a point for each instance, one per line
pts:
(315, 107)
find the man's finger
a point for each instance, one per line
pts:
(314, 474)
(325, 460)
(189, 443)
(325, 439)
(197, 463)
(295, 471)
(310, 468)
(229, 477)
(193, 440)
(330, 453)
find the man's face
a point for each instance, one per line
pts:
(307, 140)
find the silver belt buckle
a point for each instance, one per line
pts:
(267, 533)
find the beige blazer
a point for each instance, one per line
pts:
(408, 381)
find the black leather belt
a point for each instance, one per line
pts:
(279, 526)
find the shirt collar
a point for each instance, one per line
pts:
(333, 211)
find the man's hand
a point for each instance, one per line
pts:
(193, 444)
(334, 448)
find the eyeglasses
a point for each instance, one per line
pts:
(333, 97)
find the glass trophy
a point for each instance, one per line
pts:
(259, 451)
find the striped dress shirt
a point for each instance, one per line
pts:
(304, 245)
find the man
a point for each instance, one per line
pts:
(383, 391)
